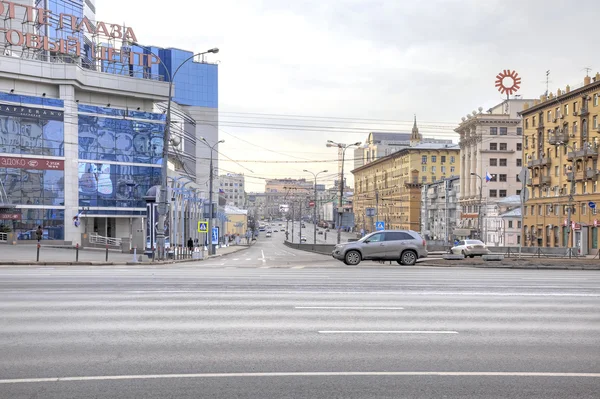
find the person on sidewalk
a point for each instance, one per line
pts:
(39, 233)
(190, 244)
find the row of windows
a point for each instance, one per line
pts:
(557, 210)
(551, 116)
(503, 146)
(434, 159)
(433, 169)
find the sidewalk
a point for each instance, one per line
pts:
(26, 255)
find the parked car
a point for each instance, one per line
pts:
(268, 235)
(320, 232)
(403, 246)
(302, 239)
(275, 231)
(470, 248)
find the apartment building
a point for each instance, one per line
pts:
(381, 144)
(561, 148)
(232, 189)
(440, 210)
(491, 148)
(392, 184)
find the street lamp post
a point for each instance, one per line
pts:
(211, 248)
(570, 202)
(163, 197)
(315, 204)
(479, 221)
(343, 147)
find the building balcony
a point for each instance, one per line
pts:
(545, 161)
(591, 152)
(540, 181)
(591, 174)
(577, 176)
(558, 137)
(584, 111)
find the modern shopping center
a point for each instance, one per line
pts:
(81, 135)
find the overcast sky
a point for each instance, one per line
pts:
(377, 60)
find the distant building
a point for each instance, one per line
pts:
(380, 144)
(232, 188)
(440, 210)
(491, 144)
(509, 230)
(392, 184)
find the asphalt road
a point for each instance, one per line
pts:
(269, 326)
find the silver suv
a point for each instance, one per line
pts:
(403, 246)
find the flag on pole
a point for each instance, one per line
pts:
(488, 177)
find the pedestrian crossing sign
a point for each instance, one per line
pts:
(202, 226)
(379, 226)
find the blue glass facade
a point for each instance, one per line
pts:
(124, 150)
(196, 83)
(31, 168)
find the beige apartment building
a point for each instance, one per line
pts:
(491, 144)
(392, 184)
(561, 141)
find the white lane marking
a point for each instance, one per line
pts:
(263, 267)
(297, 292)
(298, 267)
(263, 256)
(555, 278)
(248, 258)
(388, 332)
(236, 259)
(347, 307)
(306, 374)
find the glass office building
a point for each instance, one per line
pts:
(119, 159)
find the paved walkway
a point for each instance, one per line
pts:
(27, 254)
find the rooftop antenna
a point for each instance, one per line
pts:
(587, 71)
(547, 82)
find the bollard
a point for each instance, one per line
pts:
(134, 254)
(106, 252)
(77, 252)
(38, 253)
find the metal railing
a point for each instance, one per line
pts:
(100, 240)
(3, 237)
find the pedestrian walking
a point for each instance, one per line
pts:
(39, 233)
(190, 244)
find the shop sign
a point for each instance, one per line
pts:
(31, 163)
(10, 216)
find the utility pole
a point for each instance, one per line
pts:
(377, 205)
(293, 220)
(341, 148)
(315, 204)
(447, 201)
(479, 216)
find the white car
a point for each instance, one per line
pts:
(470, 248)
(302, 239)
(268, 234)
